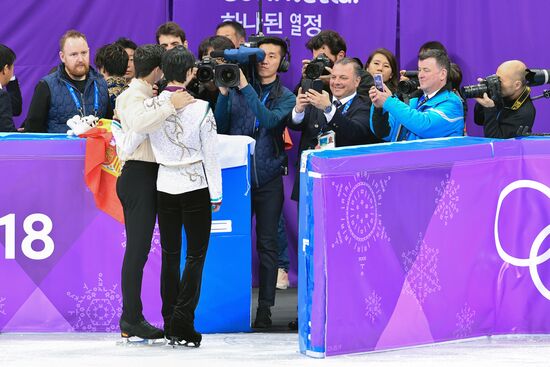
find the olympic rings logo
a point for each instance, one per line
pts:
(534, 259)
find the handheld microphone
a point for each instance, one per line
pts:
(239, 55)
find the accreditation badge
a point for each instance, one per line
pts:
(327, 140)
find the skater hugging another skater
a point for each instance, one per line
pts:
(171, 170)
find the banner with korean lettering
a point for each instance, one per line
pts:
(297, 20)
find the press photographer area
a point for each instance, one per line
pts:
(273, 180)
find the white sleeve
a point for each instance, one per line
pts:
(126, 143)
(209, 144)
(148, 115)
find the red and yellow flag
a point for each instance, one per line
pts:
(102, 168)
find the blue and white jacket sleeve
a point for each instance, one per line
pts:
(438, 118)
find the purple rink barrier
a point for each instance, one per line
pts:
(404, 244)
(62, 274)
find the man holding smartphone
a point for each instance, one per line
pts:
(344, 117)
(437, 113)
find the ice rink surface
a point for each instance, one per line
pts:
(260, 349)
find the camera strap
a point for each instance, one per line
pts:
(521, 99)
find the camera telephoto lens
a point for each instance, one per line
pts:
(474, 91)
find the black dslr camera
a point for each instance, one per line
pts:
(317, 66)
(489, 85)
(409, 86)
(223, 75)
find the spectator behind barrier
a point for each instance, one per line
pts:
(7, 61)
(382, 61)
(73, 89)
(437, 113)
(345, 115)
(232, 30)
(130, 47)
(503, 116)
(170, 35)
(112, 62)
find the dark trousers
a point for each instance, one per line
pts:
(267, 204)
(193, 211)
(137, 190)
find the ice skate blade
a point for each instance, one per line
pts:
(135, 340)
(174, 343)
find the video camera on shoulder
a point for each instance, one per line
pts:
(228, 74)
(224, 75)
(317, 67)
(409, 86)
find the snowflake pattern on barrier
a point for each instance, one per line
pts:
(97, 308)
(360, 216)
(465, 322)
(447, 199)
(3, 306)
(373, 306)
(155, 242)
(421, 267)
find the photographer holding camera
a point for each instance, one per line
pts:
(326, 48)
(259, 111)
(437, 113)
(345, 115)
(206, 89)
(504, 104)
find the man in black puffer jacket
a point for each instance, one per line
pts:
(72, 89)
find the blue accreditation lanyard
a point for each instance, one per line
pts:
(346, 106)
(263, 102)
(77, 101)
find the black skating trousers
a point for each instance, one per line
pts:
(192, 210)
(137, 190)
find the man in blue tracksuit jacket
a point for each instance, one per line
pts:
(438, 112)
(259, 111)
